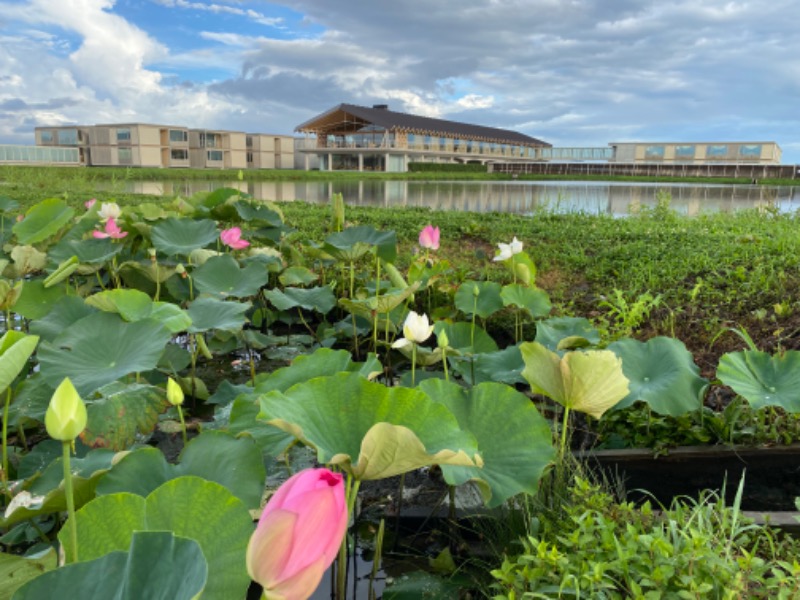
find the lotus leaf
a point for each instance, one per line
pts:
(27, 259)
(466, 339)
(535, 302)
(763, 379)
(102, 348)
(552, 332)
(131, 305)
(158, 566)
(590, 382)
(17, 570)
(209, 313)
(62, 272)
(481, 298)
(180, 236)
(65, 312)
(320, 299)
(662, 373)
(367, 429)
(90, 251)
(297, 276)
(503, 366)
(222, 277)
(43, 220)
(36, 301)
(352, 243)
(187, 506)
(514, 440)
(15, 350)
(255, 212)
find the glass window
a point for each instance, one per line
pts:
(215, 155)
(179, 154)
(68, 137)
(684, 152)
(124, 135)
(750, 150)
(124, 155)
(47, 137)
(654, 152)
(177, 135)
(717, 150)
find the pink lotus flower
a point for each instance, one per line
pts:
(90, 203)
(298, 535)
(429, 237)
(233, 237)
(112, 230)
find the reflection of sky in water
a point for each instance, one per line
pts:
(518, 197)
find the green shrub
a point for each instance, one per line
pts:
(604, 549)
(420, 167)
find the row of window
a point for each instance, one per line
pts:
(39, 154)
(689, 151)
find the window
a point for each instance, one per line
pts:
(124, 135)
(208, 140)
(684, 152)
(249, 158)
(125, 156)
(179, 154)
(47, 137)
(654, 152)
(717, 151)
(215, 155)
(249, 141)
(176, 135)
(68, 137)
(750, 151)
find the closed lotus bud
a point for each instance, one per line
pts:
(442, 341)
(298, 535)
(174, 392)
(66, 416)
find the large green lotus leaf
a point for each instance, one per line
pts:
(131, 305)
(17, 570)
(255, 212)
(503, 366)
(122, 411)
(466, 339)
(187, 506)
(235, 463)
(36, 300)
(181, 236)
(145, 274)
(221, 276)
(535, 302)
(42, 221)
(158, 566)
(590, 382)
(102, 348)
(210, 313)
(662, 373)
(763, 379)
(369, 430)
(243, 422)
(27, 259)
(15, 350)
(487, 301)
(31, 399)
(8, 204)
(552, 332)
(514, 440)
(297, 275)
(89, 251)
(65, 312)
(171, 316)
(47, 491)
(354, 242)
(320, 299)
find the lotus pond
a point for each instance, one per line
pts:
(165, 363)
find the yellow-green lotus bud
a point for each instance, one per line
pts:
(66, 416)
(174, 392)
(442, 340)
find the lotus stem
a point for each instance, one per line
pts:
(376, 560)
(444, 364)
(5, 439)
(413, 363)
(564, 423)
(351, 493)
(68, 491)
(183, 424)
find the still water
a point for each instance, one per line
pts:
(518, 197)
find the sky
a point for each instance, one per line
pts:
(574, 73)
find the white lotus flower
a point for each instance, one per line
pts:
(509, 250)
(109, 210)
(416, 330)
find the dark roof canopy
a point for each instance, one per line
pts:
(350, 118)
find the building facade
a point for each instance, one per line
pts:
(170, 147)
(742, 153)
(350, 137)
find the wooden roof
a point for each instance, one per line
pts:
(350, 118)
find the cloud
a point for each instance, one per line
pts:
(571, 72)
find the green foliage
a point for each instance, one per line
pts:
(419, 167)
(605, 549)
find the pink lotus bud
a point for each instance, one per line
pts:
(429, 237)
(299, 534)
(233, 237)
(90, 203)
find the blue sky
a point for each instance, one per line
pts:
(571, 72)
